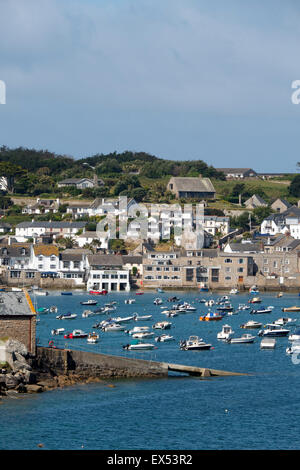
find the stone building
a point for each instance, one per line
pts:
(197, 188)
(18, 318)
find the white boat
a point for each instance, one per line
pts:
(113, 327)
(162, 325)
(138, 329)
(142, 317)
(164, 338)
(87, 313)
(251, 325)
(273, 330)
(187, 307)
(286, 321)
(57, 331)
(16, 289)
(89, 302)
(129, 301)
(268, 343)
(234, 291)
(139, 346)
(67, 316)
(123, 319)
(262, 311)
(93, 338)
(108, 309)
(243, 307)
(171, 313)
(41, 292)
(246, 338)
(294, 349)
(295, 336)
(194, 343)
(209, 303)
(254, 290)
(53, 309)
(143, 334)
(226, 332)
(157, 301)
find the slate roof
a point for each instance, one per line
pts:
(52, 224)
(192, 184)
(10, 305)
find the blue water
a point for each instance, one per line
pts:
(258, 411)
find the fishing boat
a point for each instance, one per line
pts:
(162, 325)
(255, 300)
(246, 338)
(164, 338)
(225, 308)
(76, 334)
(139, 346)
(142, 317)
(291, 309)
(194, 343)
(211, 317)
(295, 336)
(273, 330)
(93, 338)
(67, 316)
(261, 310)
(57, 331)
(251, 325)
(89, 302)
(226, 332)
(268, 343)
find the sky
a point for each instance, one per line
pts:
(182, 80)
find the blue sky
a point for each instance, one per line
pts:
(192, 79)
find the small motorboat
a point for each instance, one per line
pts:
(139, 346)
(93, 338)
(251, 325)
(171, 313)
(89, 302)
(211, 317)
(268, 343)
(234, 291)
(280, 294)
(67, 316)
(123, 319)
(187, 307)
(142, 317)
(173, 299)
(164, 338)
(294, 349)
(261, 310)
(225, 308)
(194, 343)
(157, 301)
(138, 329)
(255, 300)
(291, 309)
(143, 334)
(66, 293)
(253, 290)
(129, 301)
(87, 313)
(53, 309)
(243, 307)
(41, 292)
(246, 338)
(160, 291)
(210, 303)
(76, 334)
(57, 331)
(273, 330)
(295, 336)
(42, 310)
(113, 327)
(162, 325)
(226, 333)
(285, 321)
(98, 292)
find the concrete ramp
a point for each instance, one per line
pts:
(200, 371)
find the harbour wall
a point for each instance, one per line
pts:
(88, 365)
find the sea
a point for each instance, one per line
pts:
(256, 411)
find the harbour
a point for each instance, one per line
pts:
(202, 412)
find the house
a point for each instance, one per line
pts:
(94, 238)
(107, 272)
(15, 257)
(197, 188)
(255, 201)
(18, 319)
(58, 229)
(72, 264)
(214, 224)
(244, 247)
(281, 243)
(4, 227)
(285, 222)
(80, 183)
(280, 205)
(45, 259)
(42, 206)
(237, 173)
(79, 210)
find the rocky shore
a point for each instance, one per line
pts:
(19, 374)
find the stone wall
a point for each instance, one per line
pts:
(21, 328)
(93, 365)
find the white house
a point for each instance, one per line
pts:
(72, 265)
(87, 238)
(107, 272)
(44, 258)
(42, 206)
(59, 229)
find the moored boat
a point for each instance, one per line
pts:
(89, 302)
(211, 317)
(57, 331)
(255, 300)
(273, 330)
(139, 346)
(93, 338)
(164, 338)
(268, 343)
(76, 334)
(246, 338)
(226, 333)
(67, 316)
(194, 343)
(295, 308)
(251, 325)
(162, 325)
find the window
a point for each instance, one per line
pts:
(76, 264)
(240, 270)
(227, 278)
(228, 260)
(241, 261)
(30, 275)
(52, 266)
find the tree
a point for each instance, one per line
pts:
(294, 188)
(10, 172)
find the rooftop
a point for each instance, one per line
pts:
(14, 304)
